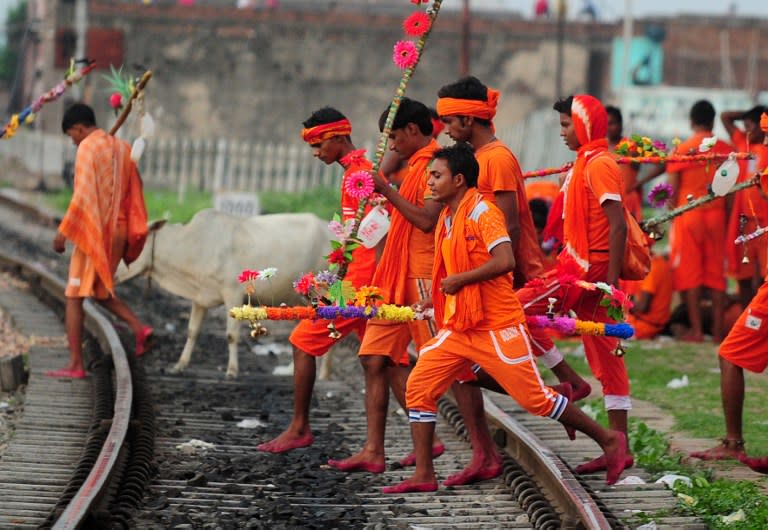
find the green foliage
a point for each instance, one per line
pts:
(712, 501)
(14, 30)
(164, 203)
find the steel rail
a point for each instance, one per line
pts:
(97, 324)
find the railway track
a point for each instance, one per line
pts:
(160, 481)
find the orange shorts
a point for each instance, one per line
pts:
(82, 280)
(747, 343)
(391, 339)
(313, 336)
(505, 354)
(697, 244)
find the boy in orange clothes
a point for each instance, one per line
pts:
(652, 302)
(482, 320)
(328, 133)
(96, 221)
(745, 347)
(467, 108)
(749, 203)
(697, 238)
(404, 275)
(594, 233)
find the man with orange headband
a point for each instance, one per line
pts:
(594, 233)
(481, 320)
(748, 204)
(327, 131)
(745, 347)
(404, 275)
(467, 108)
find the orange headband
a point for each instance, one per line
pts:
(485, 110)
(764, 122)
(320, 133)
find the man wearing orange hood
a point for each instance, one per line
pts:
(594, 233)
(482, 322)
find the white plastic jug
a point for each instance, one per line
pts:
(373, 227)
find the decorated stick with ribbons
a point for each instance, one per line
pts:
(649, 224)
(129, 104)
(27, 115)
(383, 137)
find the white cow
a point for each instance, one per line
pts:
(201, 261)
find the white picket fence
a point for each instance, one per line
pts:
(184, 164)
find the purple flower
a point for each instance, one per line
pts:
(326, 277)
(660, 194)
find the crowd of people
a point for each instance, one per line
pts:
(470, 240)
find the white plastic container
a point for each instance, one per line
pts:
(373, 227)
(725, 177)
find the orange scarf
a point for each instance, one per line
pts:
(485, 110)
(764, 122)
(101, 165)
(468, 304)
(591, 124)
(392, 271)
(320, 133)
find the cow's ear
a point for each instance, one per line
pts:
(157, 225)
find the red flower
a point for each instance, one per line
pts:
(418, 2)
(116, 100)
(417, 24)
(247, 275)
(337, 257)
(304, 284)
(568, 270)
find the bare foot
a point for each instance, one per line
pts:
(477, 470)
(287, 441)
(615, 458)
(362, 461)
(410, 460)
(600, 464)
(726, 450)
(755, 464)
(411, 486)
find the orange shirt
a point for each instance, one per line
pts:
(363, 262)
(747, 169)
(659, 284)
(421, 247)
(604, 182)
(500, 172)
(484, 229)
(695, 177)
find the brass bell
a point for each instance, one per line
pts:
(257, 330)
(619, 351)
(334, 333)
(689, 197)
(745, 259)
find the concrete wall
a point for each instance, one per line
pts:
(257, 75)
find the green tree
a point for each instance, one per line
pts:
(10, 54)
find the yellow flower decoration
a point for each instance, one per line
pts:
(249, 313)
(590, 328)
(367, 295)
(395, 313)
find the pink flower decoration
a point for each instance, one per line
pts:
(418, 2)
(116, 100)
(359, 185)
(660, 194)
(417, 24)
(247, 275)
(405, 54)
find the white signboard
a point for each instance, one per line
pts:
(240, 203)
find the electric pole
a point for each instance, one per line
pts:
(465, 32)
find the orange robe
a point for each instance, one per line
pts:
(747, 343)
(697, 237)
(753, 204)
(95, 220)
(500, 172)
(404, 270)
(659, 285)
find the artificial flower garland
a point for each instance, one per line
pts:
(28, 114)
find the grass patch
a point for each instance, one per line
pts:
(697, 408)
(323, 202)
